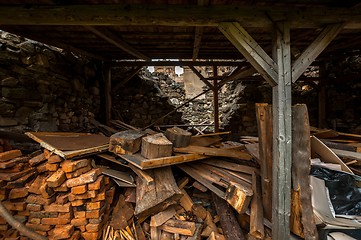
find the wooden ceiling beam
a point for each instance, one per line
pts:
(314, 49)
(176, 15)
(197, 42)
(111, 38)
(178, 63)
(253, 52)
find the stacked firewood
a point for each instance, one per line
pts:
(57, 198)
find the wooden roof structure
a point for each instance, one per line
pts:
(280, 39)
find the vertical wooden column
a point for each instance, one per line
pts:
(107, 91)
(282, 133)
(215, 101)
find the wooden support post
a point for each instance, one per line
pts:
(282, 135)
(215, 101)
(107, 89)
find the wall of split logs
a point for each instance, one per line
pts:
(45, 89)
(59, 199)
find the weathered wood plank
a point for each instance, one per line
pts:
(314, 49)
(256, 216)
(301, 164)
(220, 152)
(265, 133)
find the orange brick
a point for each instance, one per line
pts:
(55, 221)
(90, 236)
(76, 235)
(38, 199)
(34, 207)
(99, 197)
(92, 227)
(62, 199)
(46, 191)
(97, 220)
(34, 220)
(14, 206)
(97, 184)
(6, 227)
(24, 213)
(87, 195)
(79, 202)
(95, 213)
(39, 227)
(41, 168)
(35, 186)
(68, 215)
(5, 156)
(78, 172)
(43, 214)
(47, 153)
(55, 159)
(18, 193)
(52, 167)
(76, 222)
(94, 205)
(56, 179)
(79, 189)
(88, 177)
(45, 234)
(63, 208)
(37, 159)
(81, 228)
(62, 188)
(73, 165)
(63, 232)
(79, 214)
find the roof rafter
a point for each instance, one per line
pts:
(111, 38)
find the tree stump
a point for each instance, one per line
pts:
(126, 142)
(156, 146)
(179, 137)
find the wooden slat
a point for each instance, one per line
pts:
(251, 51)
(347, 154)
(220, 152)
(282, 135)
(314, 49)
(111, 38)
(256, 216)
(301, 164)
(265, 133)
(230, 166)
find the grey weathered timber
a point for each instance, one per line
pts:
(116, 41)
(314, 49)
(107, 92)
(175, 15)
(282, 135)
(250, 50)
(265, 136)
(301, 165)
(197, 42)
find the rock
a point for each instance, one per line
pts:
(7, 122)
(6, 109)
(19, 93)
(9, 82)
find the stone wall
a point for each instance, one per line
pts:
(43, 88)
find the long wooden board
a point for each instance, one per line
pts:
(220, 152)
(144, 163)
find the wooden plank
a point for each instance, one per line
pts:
(174, 15)
(122, 176)
(153, 198)
(161, 217)
(144, 163)
(301, 164)
(253, 149)
(282, 134)
(198, 33)
(253, 52)
(265, 133)
(314, 49)
(204, 141)
(116, 41)
(229, 223)
(84, 144)
(220, 152)
(230, 166)
(238, 196)
(179, 226)
(347, 154)
(256, 216)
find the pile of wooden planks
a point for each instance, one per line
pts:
(57, 198)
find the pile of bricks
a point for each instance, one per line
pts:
(57, 198)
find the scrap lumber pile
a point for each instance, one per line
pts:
(57, 198)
